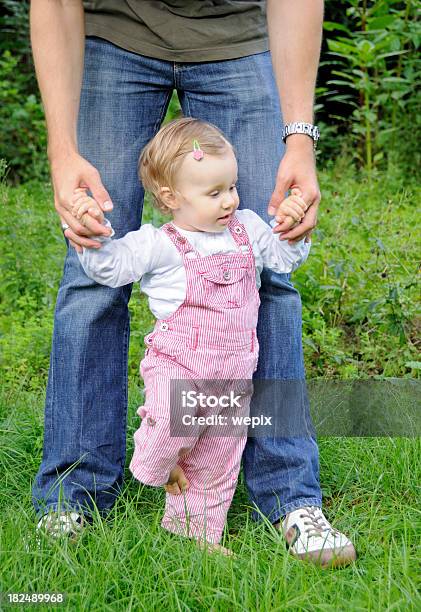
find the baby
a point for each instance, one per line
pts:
(201, 273)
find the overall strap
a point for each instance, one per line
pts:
(181, 243)
(239, 234)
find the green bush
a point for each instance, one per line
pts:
(376, 67)
(23, 140)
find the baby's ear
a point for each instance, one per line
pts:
(168, 197)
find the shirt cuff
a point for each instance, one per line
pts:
(273, 223)
(101, 237)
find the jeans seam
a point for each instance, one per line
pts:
(82, 408)
(49, 402)
(175, 75)
(125, 368)
(163, 112)
(186, 98)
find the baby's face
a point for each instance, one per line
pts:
(206, 192)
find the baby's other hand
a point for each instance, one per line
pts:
(83, 204)
(177, 481)
(290, 212)
(293, 206)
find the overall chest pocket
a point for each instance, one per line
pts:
(226, 287)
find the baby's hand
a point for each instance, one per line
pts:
(82, 204)
(292, 209)
(177, 481)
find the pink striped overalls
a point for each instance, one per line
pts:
(212, 335)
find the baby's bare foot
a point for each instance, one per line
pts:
(177, 482)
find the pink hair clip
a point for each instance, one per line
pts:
(197, 151)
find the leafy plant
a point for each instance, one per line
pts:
(24, 140)
(376, 72)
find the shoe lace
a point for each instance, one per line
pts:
(316, 523)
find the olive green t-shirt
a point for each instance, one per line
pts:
(181, 30)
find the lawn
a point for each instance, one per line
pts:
(359, 291)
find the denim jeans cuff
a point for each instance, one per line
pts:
(62, 507)
(278, 514)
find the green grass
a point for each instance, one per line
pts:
(126, 562)
(360, 321)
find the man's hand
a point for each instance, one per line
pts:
(68, 172)
(297, 169)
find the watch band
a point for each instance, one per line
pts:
(300, 127)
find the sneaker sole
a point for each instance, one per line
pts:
(328, 558)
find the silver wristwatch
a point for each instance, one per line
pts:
(300, 127)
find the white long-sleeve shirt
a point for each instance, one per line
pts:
(149, 256)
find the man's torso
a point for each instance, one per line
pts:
(181, 30)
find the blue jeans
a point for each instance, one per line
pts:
(124, 99)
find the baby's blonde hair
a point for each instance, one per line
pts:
(161, 158)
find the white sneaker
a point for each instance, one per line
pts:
(311, 537)
(60, 524)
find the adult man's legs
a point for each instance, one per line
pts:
(240, 97)
(124, 100)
